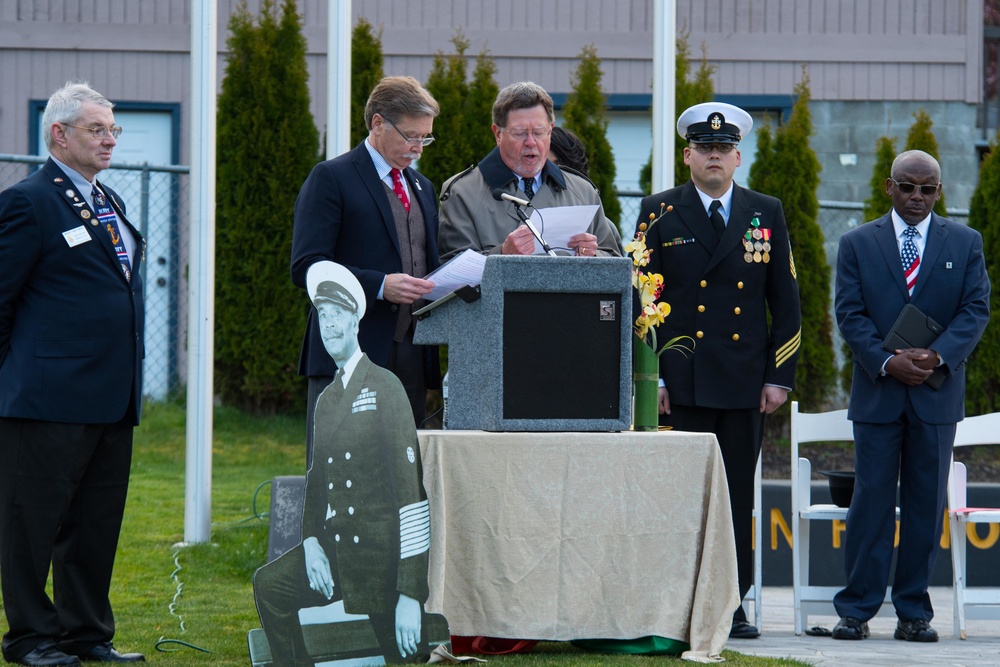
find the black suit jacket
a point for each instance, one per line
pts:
(342, 214)
(722, 301)
(71, 325)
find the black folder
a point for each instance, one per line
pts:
(914, 329)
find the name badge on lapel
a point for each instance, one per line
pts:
(75, 237)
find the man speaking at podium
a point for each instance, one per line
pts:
(727, 268)
(474, 216)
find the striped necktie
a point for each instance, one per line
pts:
(106, 216)
(397, 187)
(910, 258)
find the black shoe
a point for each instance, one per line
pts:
(743, 630)
(46, 654)
(106, 653)
(915, 630)
(851, 628)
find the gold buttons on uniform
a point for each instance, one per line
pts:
(701, 309)
(704, 283)
(739, 285)
(700, 334)
(736, 310)
(736, 336)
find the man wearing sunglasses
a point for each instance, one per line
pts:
(473, 216)
(904, 428)
(370, 211)
(728, 275)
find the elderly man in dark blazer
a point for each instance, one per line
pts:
(366, 524)
(371, 212)
(71, 348)
(904, 428)
(728, 275)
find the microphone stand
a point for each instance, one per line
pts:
(538, 237)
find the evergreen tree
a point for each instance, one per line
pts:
(878, 202)
(264, 129)
(463, 127)
(787, 168)
(687, 93)
(920, 137)
(366, 72)
(982, 394)
(585, 114)
(479, 101)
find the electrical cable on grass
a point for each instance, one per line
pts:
(174, 604)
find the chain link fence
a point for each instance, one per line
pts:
(157, 201)
(156, 198)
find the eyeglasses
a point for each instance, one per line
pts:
(908, 188)
(100, 132)
(412, 141)
(540, 133)
(705, 149)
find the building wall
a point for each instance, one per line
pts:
(870, 63)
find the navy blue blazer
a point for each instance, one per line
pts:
(71, 325)
(342, 214)
(952, 287)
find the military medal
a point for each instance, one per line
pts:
(748, 257)
(756, 257)
(758, 246)
(766, 257)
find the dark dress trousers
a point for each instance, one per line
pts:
(722, 302)
(901, 432)
(71, 348)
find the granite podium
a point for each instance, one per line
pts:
(546, 347)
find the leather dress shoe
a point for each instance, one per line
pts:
(47, 654)
(851, 628)
(107, 653)
(915, 630)
(743, 630)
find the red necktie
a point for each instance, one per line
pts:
(397, 187)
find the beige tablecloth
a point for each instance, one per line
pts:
(563, 536)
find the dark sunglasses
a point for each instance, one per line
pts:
(908, 188)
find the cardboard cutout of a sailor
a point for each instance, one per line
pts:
(365, 524)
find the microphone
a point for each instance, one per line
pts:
(500, 195)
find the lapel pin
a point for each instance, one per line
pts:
(70, 193)
(947, 265)
(57, 179)
(85, 214)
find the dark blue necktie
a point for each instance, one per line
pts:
(106, 216)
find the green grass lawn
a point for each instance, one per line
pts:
(196, 602)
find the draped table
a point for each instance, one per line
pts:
(562, 536)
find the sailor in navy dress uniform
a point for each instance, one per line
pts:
(728, 275)
(366, 524)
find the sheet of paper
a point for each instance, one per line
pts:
(463, 269)
(559, 224)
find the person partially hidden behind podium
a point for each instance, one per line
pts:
(903, 429)
(471, 217)
(365, 524)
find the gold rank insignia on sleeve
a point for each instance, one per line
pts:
(791, 261)
(788, 350)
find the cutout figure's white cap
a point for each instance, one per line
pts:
(714, 123)
(329, 281)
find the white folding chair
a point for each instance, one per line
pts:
(816, 427)
(979, 602)
(754, 594)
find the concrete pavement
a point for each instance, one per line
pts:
(778, 638)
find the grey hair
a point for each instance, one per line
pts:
(65, 104)
(522, 95)
(916, 155)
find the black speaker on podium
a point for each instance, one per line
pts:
(562, 355)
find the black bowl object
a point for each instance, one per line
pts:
(841, 486)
